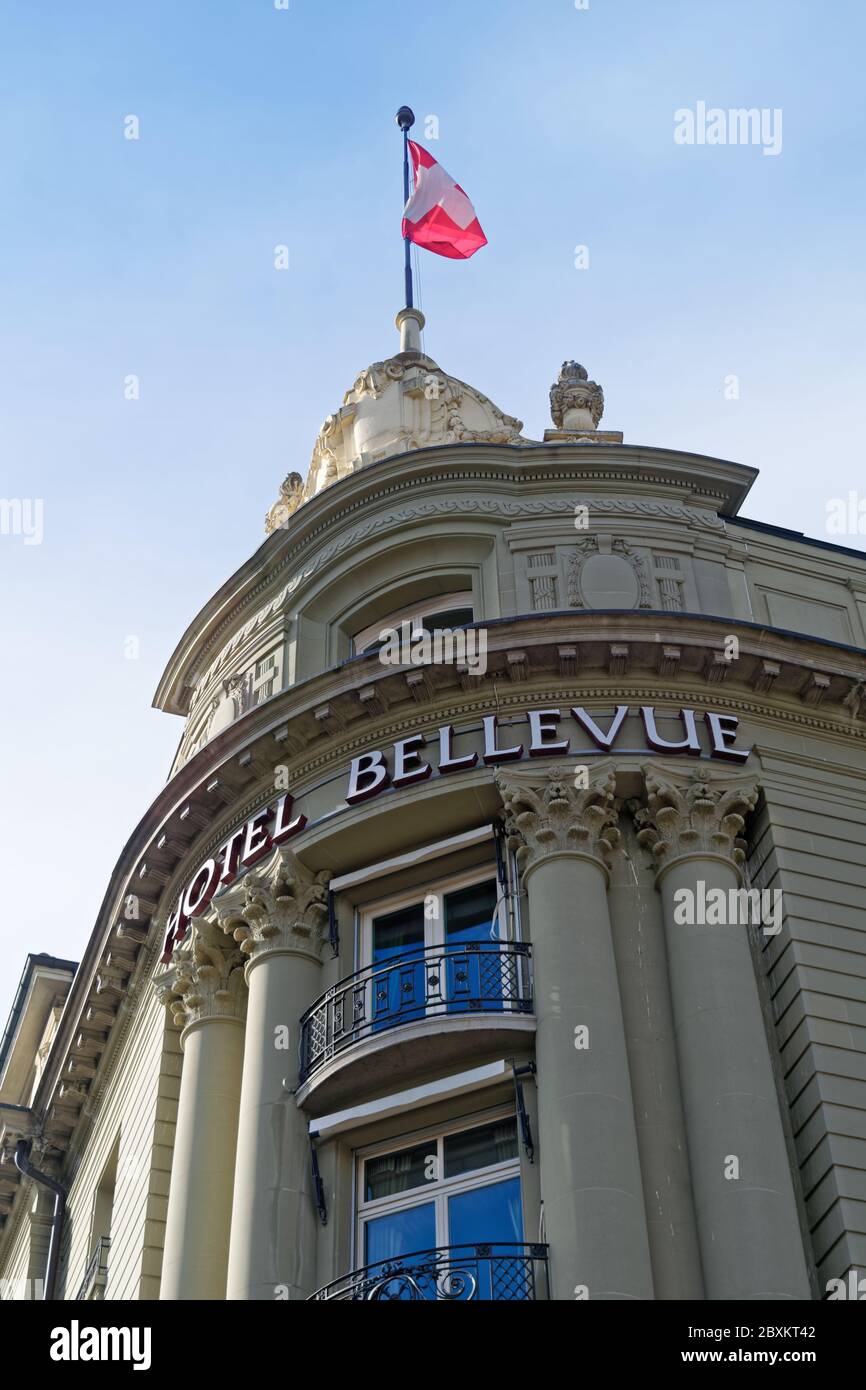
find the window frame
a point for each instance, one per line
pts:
(367, 638)
(441, 1189)
(434, 929)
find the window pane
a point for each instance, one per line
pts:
(398, 985)
(448, 618)
(486, 1215)
(479, 979)
(397, 932)
(491, 1217)
(479, 1148)
(469, 914)
(400, 1233)
(398, 1172)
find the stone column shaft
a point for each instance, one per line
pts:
(594, 1211)
(206, 990)
(748, 1228)
(273, 1231)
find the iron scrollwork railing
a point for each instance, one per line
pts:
(433, 982)
(96, 1273)
(504, 1272)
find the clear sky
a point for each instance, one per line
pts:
(261, 127)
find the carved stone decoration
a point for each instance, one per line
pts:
(547, 815)
(619, 572)
(290, 498)
(235, 700)
(278, 906)
(205, 979)
(404, 403)
(692, 813)
(576, 403)
(199, 679)
(855, 700)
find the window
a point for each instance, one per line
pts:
(457, 1188)
(438, 951)
(443, 611)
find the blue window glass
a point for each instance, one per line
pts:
(386, 1239)
(398, 981)
(473, 975)
(491, 1216)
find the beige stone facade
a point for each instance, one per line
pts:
(352, 987)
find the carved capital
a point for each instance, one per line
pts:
(554, 814)
(280, 906)
(205, 979)
(694, 813)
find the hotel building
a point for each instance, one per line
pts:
(527, 965)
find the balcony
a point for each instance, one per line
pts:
(96, 1274)
(428, 1001)
(502, 1273)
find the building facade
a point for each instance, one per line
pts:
(499, 932)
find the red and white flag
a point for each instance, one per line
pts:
(438, 215)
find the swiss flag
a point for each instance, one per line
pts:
(438, 215)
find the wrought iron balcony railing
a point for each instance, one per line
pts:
(439, 981)
(504, 1272)
(96, 1273)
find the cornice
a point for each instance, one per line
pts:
(721, 483)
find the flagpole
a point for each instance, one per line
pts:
(406, 120)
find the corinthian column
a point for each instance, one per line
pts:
(276, 915)
(594, 1212)
(205, 991)
(748, 1230)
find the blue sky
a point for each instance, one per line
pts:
(261, 127)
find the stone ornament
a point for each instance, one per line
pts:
(694, 814)
(205, 979)
(575, 402)
(290, 498)
(404, 403)
(547, 815)
(606, 565)
(279, 906)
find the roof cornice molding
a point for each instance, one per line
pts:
(709, 487)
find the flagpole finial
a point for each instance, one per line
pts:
(405, 118)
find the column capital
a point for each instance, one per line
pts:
(691, 813)
(278, 907)
(550, 813)
(205, 980)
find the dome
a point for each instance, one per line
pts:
(402, 404)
